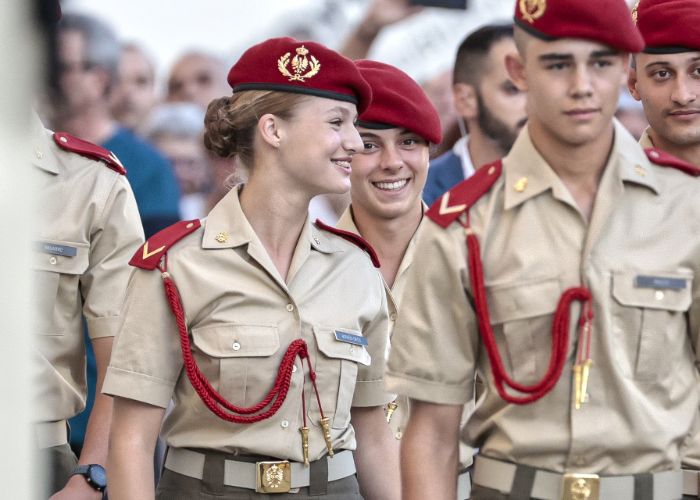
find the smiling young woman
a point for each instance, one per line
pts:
(271, 333)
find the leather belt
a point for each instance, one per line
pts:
(691, 482)
(248, 474)
(547, 485)
(464, 486)
(50, 434)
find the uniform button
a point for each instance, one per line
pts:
(53, 260)
(236, 346)
(659, 295)
(284, 424)
(294, 368)
(63, 139)
(653, 154)
(398, 435)
(290, 307)
(392, 316)
(316, 240)
(39, 154)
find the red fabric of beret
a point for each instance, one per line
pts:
(303, 67)
(605, 21)
(669, 26)
(398, 102)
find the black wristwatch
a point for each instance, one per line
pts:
(94, 474)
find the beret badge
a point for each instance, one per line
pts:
(532, 10)
(634, 12)
(300, 65)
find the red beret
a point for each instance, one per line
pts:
(604, 21)
(398, 102)
(669, 26)
(290, 65)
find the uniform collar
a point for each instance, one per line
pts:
(645, 140)
(527, 174)
(347, 222)
(42, 153)
(227, 227)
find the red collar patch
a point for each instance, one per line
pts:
(352, 238)
(149, 254)
(660, 157)
(84, 148)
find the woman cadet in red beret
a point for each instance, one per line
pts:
(266, 331)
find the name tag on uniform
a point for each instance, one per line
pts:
(660, 282)
(56, 249)
(350, 338)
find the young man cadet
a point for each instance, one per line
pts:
(665, 76)
(387, 179)
(490, 106)
(559, 277)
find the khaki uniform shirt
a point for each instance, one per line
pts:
(535, 244)
(399, 419)
(89, 227)
(691, 456)
(242, 316)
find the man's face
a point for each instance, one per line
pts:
(501, 105)
(80, 83)
(669, 87)
(197, 78)
(134, 95)
(572, 87)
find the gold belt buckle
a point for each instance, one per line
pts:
(273, 477)
(581, 487)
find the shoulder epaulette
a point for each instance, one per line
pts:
(352, 238)
(149, 254)
(659, 157)
(460, 198)
(88, 149)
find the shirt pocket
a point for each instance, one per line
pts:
(650, 323)
(239, 360)
(521, 314)
(56, 285)
(336, 372)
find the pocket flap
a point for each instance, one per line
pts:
(231, 340)
(62, 257)
(514, 301)
(627, 293)
(329, 345)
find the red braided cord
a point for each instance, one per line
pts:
(209, 396)
(560, 333)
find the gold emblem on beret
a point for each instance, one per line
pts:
(532, 9)
(300, 64)
(634, 12)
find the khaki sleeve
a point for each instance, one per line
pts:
(146, 357)
(369, 389)
(435, 342)
(113, 240)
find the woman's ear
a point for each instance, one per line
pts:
(270, 130)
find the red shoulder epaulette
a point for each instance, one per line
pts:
(352, 238)
(149, 254)
(88, 149)
(659, 157)
(460, 198)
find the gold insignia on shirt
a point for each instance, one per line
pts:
(634, 12)
(532, 9)
(445, 207)
(520, 184)
(147, 254)
(300, 65)
(222, 237)
(640, 171)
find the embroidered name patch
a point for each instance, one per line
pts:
(350, 338)
(56, 249)
(660, 282)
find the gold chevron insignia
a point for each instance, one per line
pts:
(445, 207)
(147, 254)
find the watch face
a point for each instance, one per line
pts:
(98, 476)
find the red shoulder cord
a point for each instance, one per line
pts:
(215, 401)
(560, 330)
